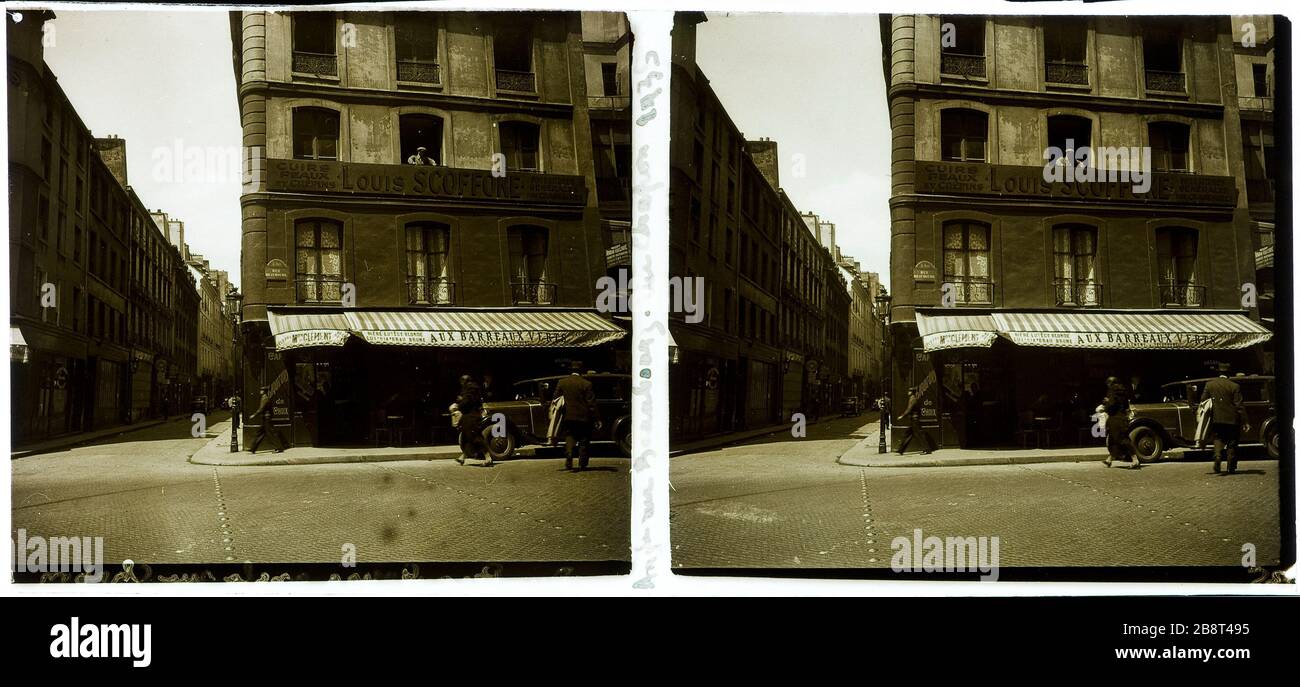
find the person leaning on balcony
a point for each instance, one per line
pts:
(1228, 417)
(420, 157)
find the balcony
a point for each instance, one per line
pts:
(1182, 295)
(532, 293)
(1071, 73)
(1167, 82)
(319, 64)
(430, 291)
(419, 72)
(319, 289)
(967, 291)
(957, 64)
(1077, 294)
(1252, 103)
(516, 82)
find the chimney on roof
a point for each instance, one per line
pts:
(112, 151)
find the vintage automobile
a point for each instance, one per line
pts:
(527, 416)
(1155, 427)
(849, 406)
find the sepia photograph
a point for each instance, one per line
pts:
(979, 297)
(340, 308)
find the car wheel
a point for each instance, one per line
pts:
(624, 439)
(501, 448)
(1149, 443)
(1272, 439)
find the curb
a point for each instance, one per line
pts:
(738, 437)
(79, 439)
(217, 453)
(864, 455)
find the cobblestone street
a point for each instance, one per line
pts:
(785, 503)
(151, 505)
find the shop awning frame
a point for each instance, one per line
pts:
(445, 327)
(940, 332)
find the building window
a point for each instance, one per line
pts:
(966, 261)
(512, 51)
(314, 49)
(421, 139)
(1065, 50)
(43, 219)
(1259, 76)
(1074, 249)
(427, 268)
(1176, 258)
(1068, 134)
(416, 36)
(961, 41)
(1162, 53)
(609, 78)
(315, 134)
(519, 144)
(964, 135)
(528, 252)
(1169, 146)
(46, 155)
(318, 249)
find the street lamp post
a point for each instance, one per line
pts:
(882, 302)
(234, 299)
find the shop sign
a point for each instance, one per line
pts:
(487, 339)
(276, 270)
(61, 378)
(310, 337)
(923, 271)
(1127, 340)
(1027, 182)
(420, 181)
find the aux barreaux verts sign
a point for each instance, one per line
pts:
(1028, 182)
(418, 181)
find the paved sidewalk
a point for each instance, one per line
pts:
(865, 454)
(217, 452)
(735, 437)
(79, 438)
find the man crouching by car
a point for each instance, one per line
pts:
(580, 415)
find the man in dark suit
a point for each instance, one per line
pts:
(580, 415)
(913, 416)
(266, 412)
(1228, 418)
(470, 404)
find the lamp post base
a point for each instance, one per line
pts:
(882, 448)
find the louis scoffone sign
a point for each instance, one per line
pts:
(1028, 182)
(418, 181)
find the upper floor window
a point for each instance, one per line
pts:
(609, 78)
(427, 267)
(1162, 54)
(1065, 50)
(1068, 134)
(1176, 263)
(512, 51)
(1074, 257)
(1259, 78)
(315, 134)
(318, 251)
(520, 142)
(528, 258)
(1169, 146)
(961, 41)
(966, 261)
(416, 35)
(314, 49)
(421, 139)
(964, 135)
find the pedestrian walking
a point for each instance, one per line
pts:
(469, 403)
(581, 415)
(1227, 419)
(1115, 407)
(266, 411)
(913, 416)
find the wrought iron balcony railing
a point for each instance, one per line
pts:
(1077, 294)
(1170, 82)
(1073, 73)
(1186, 295)
(430, 291)
(1251, 102)
(519, 82)
(966, 291)
(319, 289)
(319, 64)
(419, 72)
(532, 293)
(957, 64)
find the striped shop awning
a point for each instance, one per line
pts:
(484, 328)
(941, 332)
(300, 330)
(1133, 331)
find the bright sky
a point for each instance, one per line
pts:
(155, 78)
(813, 83)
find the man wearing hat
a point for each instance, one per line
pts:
(913, 416)
(1227, 417)
(580, 414)
(266, 411)
(420, 157)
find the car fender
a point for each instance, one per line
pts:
(1265, 426)
(1159, 428)
(619, 424)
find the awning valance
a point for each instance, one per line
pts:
(941, 332)
(1133, 331)
(300, 330)
(18, 350)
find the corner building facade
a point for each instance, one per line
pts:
(1016, 296)
(420, 206)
